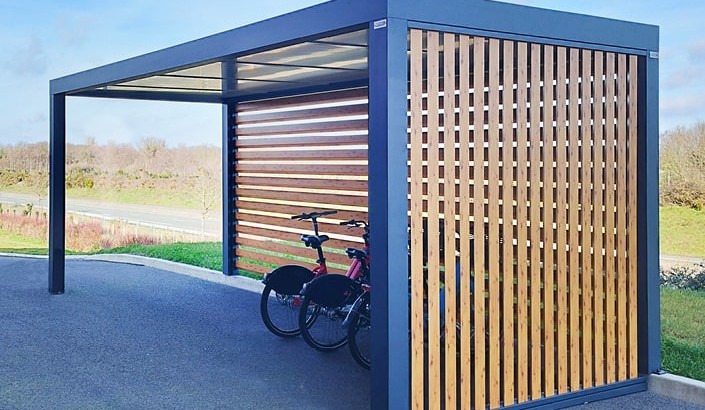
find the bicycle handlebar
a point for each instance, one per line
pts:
(355, 223)
(313, 215)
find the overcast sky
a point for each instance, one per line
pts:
(45, 39)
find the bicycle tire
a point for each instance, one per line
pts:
(323, 330)
(359, 333)
(280, 313)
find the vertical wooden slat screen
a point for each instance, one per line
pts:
(522, 171)
(299, 154)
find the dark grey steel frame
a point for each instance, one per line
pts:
(389, 22)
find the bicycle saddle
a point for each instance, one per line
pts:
(356, 253)
(313, 241)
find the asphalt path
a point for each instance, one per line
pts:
(188, 220)
(127, 336)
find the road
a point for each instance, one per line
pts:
(185, 220)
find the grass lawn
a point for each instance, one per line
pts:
(682, 231)
(683, 332)
(14, 243)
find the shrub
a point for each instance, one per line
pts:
(685, 277)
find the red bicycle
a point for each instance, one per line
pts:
(328, 298)
(281, 298)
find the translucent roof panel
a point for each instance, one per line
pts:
(328, 60)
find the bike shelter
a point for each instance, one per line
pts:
(441, 123)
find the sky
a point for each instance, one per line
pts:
(45, 39)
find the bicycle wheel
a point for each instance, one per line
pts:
(359, 332)
(324, 329)
(280, 313)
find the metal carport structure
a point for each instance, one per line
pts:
(599, 77)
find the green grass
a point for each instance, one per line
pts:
(683, 332)
(204, 254)
(14, 243)
(682, 231)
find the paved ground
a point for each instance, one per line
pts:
(127, 336)
(133, 337)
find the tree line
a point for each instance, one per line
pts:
(682, 166)
(193, 171)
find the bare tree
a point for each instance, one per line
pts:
(205, 188)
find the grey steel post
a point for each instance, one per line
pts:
(57, 193)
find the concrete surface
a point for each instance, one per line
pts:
(679, 387)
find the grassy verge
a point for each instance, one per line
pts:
(683, 332)
(682, 231)
(204, 254)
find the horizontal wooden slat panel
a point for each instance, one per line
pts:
(278, 261)
(324, 155)
(331, 199)
(288, 102)
(313, 169)
(292, 237)
(324, 228)
(310, 141)
(305, 128)
(286, 249)
(305, 114)
(296, 210)
(328, 184)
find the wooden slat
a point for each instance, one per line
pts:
(251, 267)
(326, 200)
(417, 281)
(586, 221)
(323, 155)
(465, 250)
(309, 141)
(290, 236)
(535, 220)
(286, 249)
(609, 219)
(296, 209)
(507, 229)
(548, 237)
(288, 102)
(632, 215)
(327, 184)
(449, 221)
(493, 233)
(561, 222)
(324, 228)
(597, 221)
(314, 169)
(305, 128)
(276, 260)
(522, 375)
(359, 108)
(573, 203)
(434, 327)
(621, 163)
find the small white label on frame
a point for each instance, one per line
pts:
(379, 24)
(653, 54)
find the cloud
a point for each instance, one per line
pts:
(685, 76)
(74, 30)
(681, 105)
(30, 59)
(696, 51)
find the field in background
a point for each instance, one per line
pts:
(682, 231)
